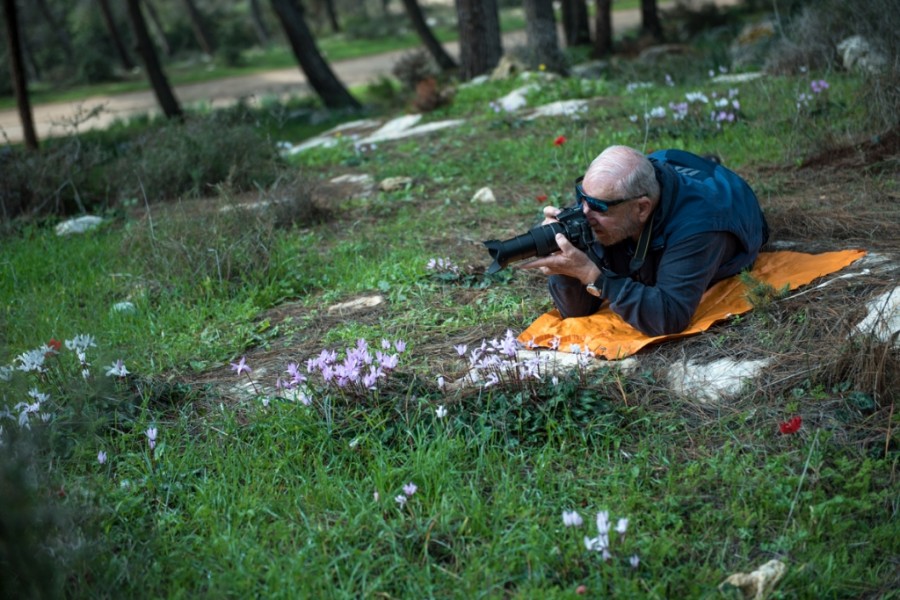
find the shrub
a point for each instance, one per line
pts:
(226, 242)
(811, 38)
(189, 159)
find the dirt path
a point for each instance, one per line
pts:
(57, 119)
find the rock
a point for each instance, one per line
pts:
(508, 66)
(124, 307)
(79, 225)
(393, 184)
(711, 382)
(484, 195)
(354, 184)
(551, 364)
(594, 69)
(656, 54)
(561, 108)
(737, 77)
(883, 318)
(516, 99)
(751, 45)
(403, 127)
(477, 80)
(758, 584)
(858, 54)
(357, 304)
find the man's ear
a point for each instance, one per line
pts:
(645, 208)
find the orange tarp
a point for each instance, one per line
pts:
(607, 335)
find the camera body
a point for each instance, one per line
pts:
(541, 240)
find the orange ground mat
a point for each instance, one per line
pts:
(607, 335)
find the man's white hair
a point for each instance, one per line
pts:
(624, 171)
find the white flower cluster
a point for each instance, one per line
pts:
(498, 361)
(39, 361)
(601, 543)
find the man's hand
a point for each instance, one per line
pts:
(568, 261)
(550, 213)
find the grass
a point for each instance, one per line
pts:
(243, 496)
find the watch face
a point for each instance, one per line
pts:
(592, 290)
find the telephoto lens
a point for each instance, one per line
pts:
(541, 240)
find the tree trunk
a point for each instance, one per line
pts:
(17, 70)
(480, 47)
(444, 60)
(158, 28)
(167, 101)
(543, 42)
(650, 23)
(576, 28)
(317, 71)
(603, 36)
(259, 24)
(114, 36)
(201, 31)
(332, 16)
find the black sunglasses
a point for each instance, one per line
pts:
(596, 203)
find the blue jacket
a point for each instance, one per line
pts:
(700, 196)
(708, 226)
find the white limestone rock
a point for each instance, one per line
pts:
(712, 382)
(485, 195)
(79, 225)
(883, 318)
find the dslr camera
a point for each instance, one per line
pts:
(541, 240)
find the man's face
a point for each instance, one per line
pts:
(618, 223)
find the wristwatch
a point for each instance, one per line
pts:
(594, 288)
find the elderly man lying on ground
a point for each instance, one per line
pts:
(666, 227)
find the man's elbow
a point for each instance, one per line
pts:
(665, 325)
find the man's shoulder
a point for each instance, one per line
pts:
(685, 163)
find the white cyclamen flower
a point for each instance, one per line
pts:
(622, 526)
(117, 369)
(33, 360)
(571, 518)
(440, 412)
(603, 522)
(80, 343)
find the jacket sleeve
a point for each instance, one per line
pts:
(685, 271)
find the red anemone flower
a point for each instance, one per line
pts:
(559, 141)
(791, 426)
(541, 197)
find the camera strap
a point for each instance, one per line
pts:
(640, 253)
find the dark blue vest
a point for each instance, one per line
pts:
(700, 196)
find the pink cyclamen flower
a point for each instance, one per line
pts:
(241, 367)
(410, 488)
(635, 561)
(400, 346)
(101, 457)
